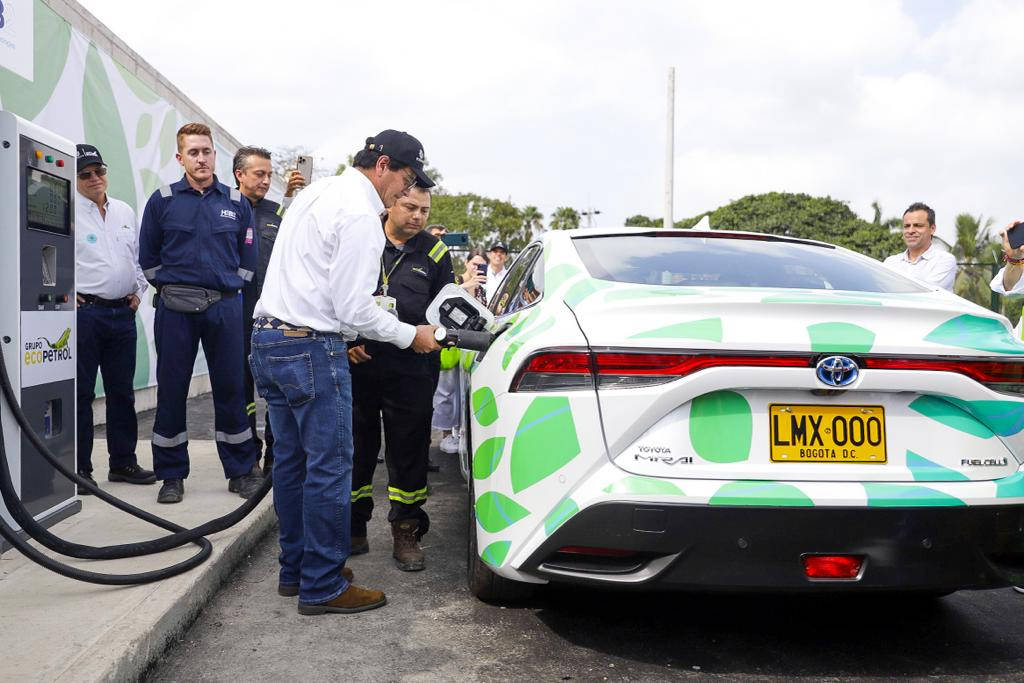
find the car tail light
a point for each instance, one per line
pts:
(998, 375)
(561, 370)
(832, 566)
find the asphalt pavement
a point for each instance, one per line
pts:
(434, 629)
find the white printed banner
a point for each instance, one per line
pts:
(16, 35)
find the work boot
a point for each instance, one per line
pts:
(173, 491)
(132, 474)
(354, 599)
(82, 491)
(360, 545)
(291, 590)
(408, 553)
(248, 484)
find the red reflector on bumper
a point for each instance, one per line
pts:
(832, 566)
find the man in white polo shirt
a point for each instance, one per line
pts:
(110, 285)
(923, 259)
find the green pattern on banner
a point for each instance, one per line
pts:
(627, 293)
(812, 299)
(581, 290)
(485, 408)
(908, 495)
(168, 137)
(544, 442)
(150, 182)
(924, 469)
(768, 493)
(1011, 486)
(143, 130)
(135, 84)
(560, 515)
(556, 275)
(495, 553)
(708, 328)
(495, 511)
(1005, 418)
(721, 426)
(514, 347)
(487, 456)
(644, 486)
(141, 378)
(977, 333)
(840, 338)
(51, 40)
(103, 128)
(943, 411)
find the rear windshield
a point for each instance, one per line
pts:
(689, 260)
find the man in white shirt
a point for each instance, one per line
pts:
(496, 272)
(1008, 280)
(109, 285)
(317, 296)
(923, 259)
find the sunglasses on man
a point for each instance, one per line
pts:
(88, 173)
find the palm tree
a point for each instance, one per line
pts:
(564, 218)
(533, 222)
(976, 245)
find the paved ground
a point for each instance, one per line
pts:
(433, 629)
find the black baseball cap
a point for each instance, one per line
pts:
(498, 245)
(402, 147)
(87, 156)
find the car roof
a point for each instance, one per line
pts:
(687, 232)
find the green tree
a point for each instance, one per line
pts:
(564, 218)
(807, 217)
(533, 222)
(485, 219)
(975, 244)
(642, 221)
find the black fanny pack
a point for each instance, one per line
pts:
(188, 298)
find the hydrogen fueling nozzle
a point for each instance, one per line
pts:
(472, 340)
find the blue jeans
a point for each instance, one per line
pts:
(106, 342)
(306, 383)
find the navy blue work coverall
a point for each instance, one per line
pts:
(204, 239)
(267, 218)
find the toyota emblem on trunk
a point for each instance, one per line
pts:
(837, 371)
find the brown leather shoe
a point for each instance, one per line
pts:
(408, 554)
(290, 591)
(354, 599)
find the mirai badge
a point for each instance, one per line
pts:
(837, 371)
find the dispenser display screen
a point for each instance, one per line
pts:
(48, 199)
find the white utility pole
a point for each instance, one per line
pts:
(670, 143)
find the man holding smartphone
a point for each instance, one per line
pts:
(923, 260)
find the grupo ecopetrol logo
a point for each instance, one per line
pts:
(44, 351)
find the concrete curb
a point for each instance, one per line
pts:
(130, 655)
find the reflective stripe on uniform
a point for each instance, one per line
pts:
(364, 492)
(400, 496)
(439, 250)
(165, 191)
(250, 409)
(240, 437)
(150, 273)
(169, 441)
(236, 196)
(245, 274)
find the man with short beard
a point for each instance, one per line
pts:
(197, 248)
(923, 259)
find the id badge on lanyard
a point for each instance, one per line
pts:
(388, 303)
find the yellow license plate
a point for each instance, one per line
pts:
(804, 433)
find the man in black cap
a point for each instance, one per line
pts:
(109, 285)
(496, 257)
(317, 297)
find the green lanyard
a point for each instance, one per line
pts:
(386, 275)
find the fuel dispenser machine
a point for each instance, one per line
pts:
(37, 310)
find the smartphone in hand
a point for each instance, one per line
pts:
(481, 268)
(304, 166)
(1016, 236)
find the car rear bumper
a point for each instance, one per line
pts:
(760, 548)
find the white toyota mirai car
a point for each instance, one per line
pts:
(707, 410)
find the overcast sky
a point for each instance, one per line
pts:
(559, 103)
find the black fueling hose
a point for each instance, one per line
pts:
(179, 537)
